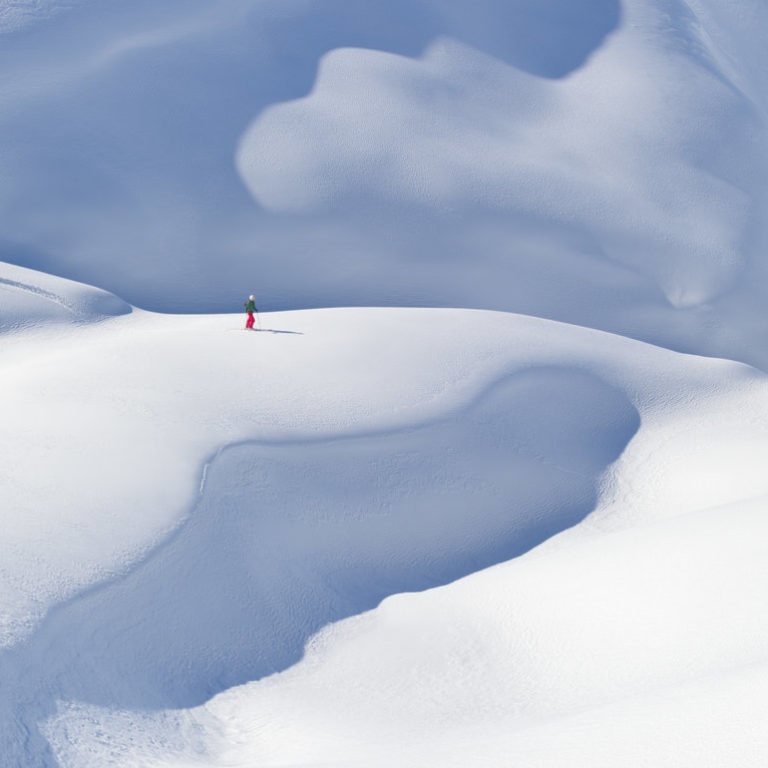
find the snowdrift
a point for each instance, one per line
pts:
(488, 155)
(339, 507)
(529, 531)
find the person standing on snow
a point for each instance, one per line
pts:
(250, 308)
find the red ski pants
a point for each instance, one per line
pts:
(249, 323)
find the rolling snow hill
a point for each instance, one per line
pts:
(336, 153)
(488, 486)
(186, 504)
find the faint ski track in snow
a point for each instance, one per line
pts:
(37, 291)
(85, 305)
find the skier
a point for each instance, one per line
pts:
(250, 308)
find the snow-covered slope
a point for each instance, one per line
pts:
(29, 298)
(526, 531)
(186, 504)
(486, 154)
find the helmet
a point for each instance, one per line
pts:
(250, 298)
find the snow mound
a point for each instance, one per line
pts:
(624, 646)
(32, 298)
(617, 172)
(170, 558)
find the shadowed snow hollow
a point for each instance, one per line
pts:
(122, 121)
(429, 538)
(290, 536)
(467, 438)
(619, 160)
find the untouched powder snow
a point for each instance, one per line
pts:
(525, 531)
(352, 499)
(487, 154)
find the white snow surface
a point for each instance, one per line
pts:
(316, 544)
(487, 488)
(31, 298)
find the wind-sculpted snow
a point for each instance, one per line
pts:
(429, 538)
(644, 646)
(138, 448)
(464, 154)
(288, 537)
(121, 121)
(618, 172)
(465, 440)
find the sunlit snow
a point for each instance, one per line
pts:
(487, 487)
